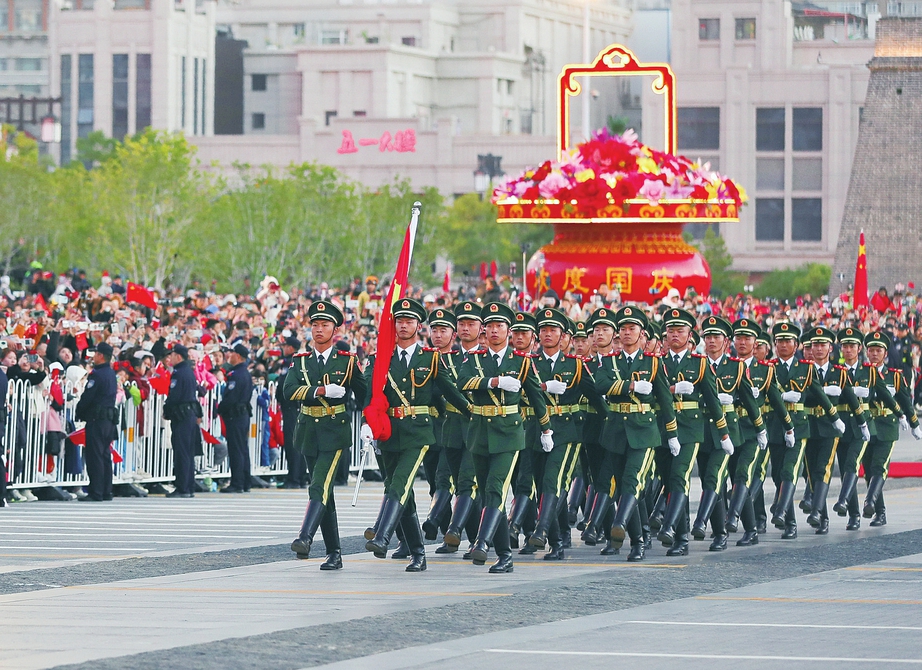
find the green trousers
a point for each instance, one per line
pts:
(712, 467)
(550, 469)
(680, 468)
(456, 472)
(849, 453)
(876, 458)
(819, 457)
(744, 462)
(400, 470)
(624, 473)
(322, 466)
(494, 472)
(523, 483)
(786, 461)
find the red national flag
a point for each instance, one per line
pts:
(493, 269)
(861, 276)
(376, 412)
(209, 438)
(446, 283)
(82, 344)
(116, 457)
(41, 304)
(140, 295)
(78, 437)
(160, 381)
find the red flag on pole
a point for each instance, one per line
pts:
(40, 303)
(376, 412)
(493, 269)
(140, 295)
(860, 298)
(209, 438)
(446, 283)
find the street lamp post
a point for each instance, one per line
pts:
(488, 168)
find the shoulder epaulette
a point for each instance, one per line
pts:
(573, 356)
(610, 354)
(696, 355)
(303, 353)
(770, 363)
(805, 361)
(736, 359)
(650, 354)
(839, 367)
(773, 361)
(894, 369)
(345, 353)
(429, 349)
(586, 359)
(524, 354)
(868, 365)
(479, 352)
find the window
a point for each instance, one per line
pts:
(66, 107)
(359, 113)
(259, 121)
(332, 36)
(770, 129)
(4, 21)
(258, 82)
(204, 94)
(119, 96)
(195, 96)
(28, 64)
(142, 92)
(770, 174)
(708, 29)
(408, 41)
(28, 16)
(699, 127)
(770, 219)
(808, 129)
(4, 62)
(807, 174)
(328, 115)
(84, 94)
(182, 83)
(807, 219)
(745, 29)
(510, 87)
(298, 29)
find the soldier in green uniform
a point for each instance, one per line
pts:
(320, 380)
(869, 387)
(413, 384)
(733, 388)
(763, 354)
(630, 434)
(694, 388)
(876, 459)
(749, 462)
(799, 387)
(497, 379)
(565, 380)
(458, 461)
(582, 347)
(824, 438)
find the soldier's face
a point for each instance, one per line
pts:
(714, 345)
(744, 345)
(565, 342)
(677, 337)
(581, 346)
(550, 336)
(522, 339)
(630, 335)
(603, 335)
(850, 351)
(441, 336)
(406, 327)
(497, 333)
(762, 351)
(785, 347)
(322, 331)
(469, 330)
(877, 356)
(821, 351)
(808, 352)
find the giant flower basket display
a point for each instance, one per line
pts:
(618, 206)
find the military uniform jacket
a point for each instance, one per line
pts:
(848, 405)
(566, 416)
(183, 391)
(452, 424)
(888, 425)
(592, 426)
(98, 400)
(693, 409)
(732, 378)
(867, 376)
(323, 423)
(238, 393)
(777, 419)
(802, 378)
(632, 423)
(504, 430)
(412, 393)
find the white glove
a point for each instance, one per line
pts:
(789, 439)
(791, 396)
(861, 392)
(840, 426)
(334, 391)
(642, 387)
(725, 398)
(865, 433)
(833, 391)
(684, 388)
(547, 442)
(892, 390)
(904, 423)
(727, 445)
(511, 384)
(554, 386)
(674, 446)
(762, 439)
(917, 432)
(366, 434)
(755, 392)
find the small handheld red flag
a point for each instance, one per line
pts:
(140, 295)
(860, 298)
(446, 283)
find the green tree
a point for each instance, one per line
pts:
(787, 284)
(714, 249)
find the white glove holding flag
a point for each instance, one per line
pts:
(674, 446)
(727, 445)
(554, 386)
(642, 387)
(865, 432)
(861, 392)
(762, 439)
(833, 391)
(791, 396)
(365, 433)
(725, 398)
(511, 384)
(547, 442)
(684, 388)
(334, 391)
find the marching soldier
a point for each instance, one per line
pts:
(631, 433)
(183, 411)
(413, 383)
(234, 409)
(297, 469)
(876, 459)
(582, 347)
(824, 438)
(319, 381)
(733, 388)
(458, 459)
(497, 379)
(763, 354)
(97, 408)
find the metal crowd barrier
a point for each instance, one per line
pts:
(37, 459)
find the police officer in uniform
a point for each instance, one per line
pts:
(319, 382)
(183, 411)
(97, 408)
(235, 409)
(297, 469)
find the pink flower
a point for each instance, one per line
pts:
(553, 183)
(653, 190)
(675, 190)
(521, 187)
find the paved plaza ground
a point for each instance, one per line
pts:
(211, 583)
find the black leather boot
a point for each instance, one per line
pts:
(599, 509)
(547, 512)
(403, 549)
(875, 487)
(705, 507)
(520, 505)
(393, 510)
(784, 504)
(609, 549)
(675, 508)
(312, 517)
(463, 505)
(555, 541)
(440, 501)
(718, 523)
(757, 496)
(329, 526)
(371, 531)
(790, 524)
(642, 510)
(501, 546)
(680, 545)
(849, 482)
(563, 521)
(489, 522)
(751, 535)
(749, 538)
(659, 512)
(737, 500)
(854, 523)
(806, 503)
(627, 505)
(473, 521)
(637, 552)
(414, 540)
(587, 508)
(818, 504)
(575, 498)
